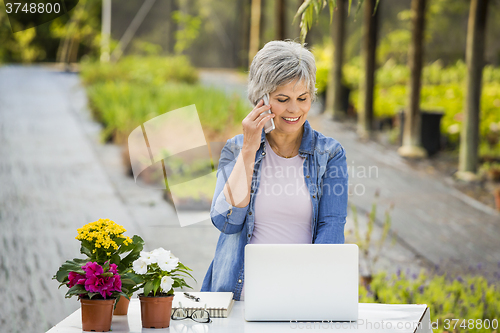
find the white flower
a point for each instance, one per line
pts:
(148, 257)
(159, 252)
(140, 266)
(167, 262)
(166, 283)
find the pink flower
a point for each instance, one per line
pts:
(75, 278)
(113, 268)
(98, 281)
(92, 268)
(117, 284)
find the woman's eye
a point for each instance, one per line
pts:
(301, 99)
(282, 100)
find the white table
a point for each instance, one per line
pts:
(372, 318)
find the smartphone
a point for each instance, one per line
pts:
(269, 125)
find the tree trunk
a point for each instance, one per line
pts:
(365, 116)
(280, 19)
(255, 18)
(244, 50)
(474, 54)
(334, 100)
(73, 50)
(411, 147)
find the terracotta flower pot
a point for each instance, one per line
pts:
(97, 314)
(121, 308)
(156, 311)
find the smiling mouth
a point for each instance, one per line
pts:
(291, 120)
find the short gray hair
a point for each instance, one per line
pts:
(279, 63)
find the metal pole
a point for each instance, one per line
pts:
(105, 30)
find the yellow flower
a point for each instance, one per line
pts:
(102, 234)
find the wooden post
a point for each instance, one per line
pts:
(411, 147)
(334, 88)
(474, 54)
(368, 48)
(280, 19)
(255, 18)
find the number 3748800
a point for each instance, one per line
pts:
(470, 324)
(32, 8)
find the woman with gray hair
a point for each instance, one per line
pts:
(282, 185)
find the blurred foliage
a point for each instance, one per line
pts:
(82, 30)
(467, 298)
(442, 90)
(189, 31)
(20, 46)
(122, 106)
(370, 246)
(125, 95)
(152, 70)
(76, 34)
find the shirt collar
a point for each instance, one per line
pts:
(307, 143)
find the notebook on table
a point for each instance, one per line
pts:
(303, 282)
(218, 304)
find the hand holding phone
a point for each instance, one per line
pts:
(269, 125)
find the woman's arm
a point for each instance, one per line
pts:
(226, 217)
(333, 203)
(234, 175)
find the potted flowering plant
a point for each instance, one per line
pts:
(159, 272)
(97, 287)
(104, 243)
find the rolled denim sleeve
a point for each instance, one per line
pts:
(333, 203)
(225, 217)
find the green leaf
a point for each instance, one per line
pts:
(301, 9)
(74, 265)
(86, 248)
(76, 290)
(148, 287)
(115, 259)
(156, 285)
(92, 295)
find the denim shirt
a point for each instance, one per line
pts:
(325, 175)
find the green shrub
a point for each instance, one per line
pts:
(460, 298)
(141, 70)
(447, 98)
(122, 106)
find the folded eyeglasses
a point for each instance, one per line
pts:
(198, 315)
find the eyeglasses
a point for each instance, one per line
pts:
(200, 315)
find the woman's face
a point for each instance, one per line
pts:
(290, 103)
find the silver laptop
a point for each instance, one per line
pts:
(303, 282)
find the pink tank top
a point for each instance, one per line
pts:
(283, 208)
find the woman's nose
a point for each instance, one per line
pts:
(293, 107)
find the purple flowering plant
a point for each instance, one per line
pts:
(93, 280)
